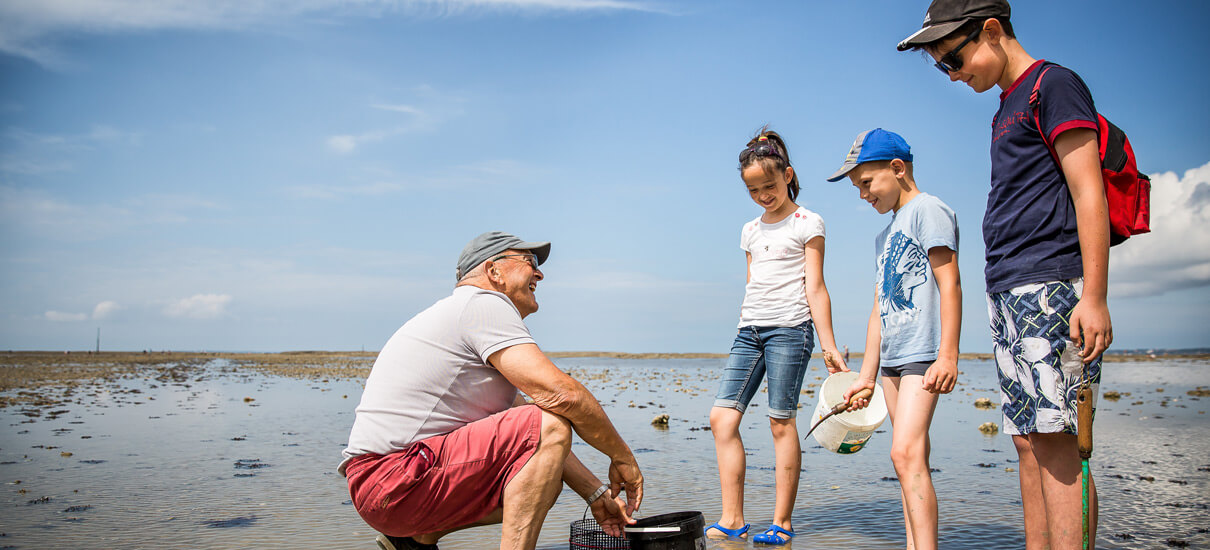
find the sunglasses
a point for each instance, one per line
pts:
(532, 259)
(950, 62)
(762, 148)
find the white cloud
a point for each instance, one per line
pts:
(105, 309)
(29, 28)
(1176, 254)
(64, 317)
(199, 306)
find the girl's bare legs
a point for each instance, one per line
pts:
(787, 454)
(729, 448)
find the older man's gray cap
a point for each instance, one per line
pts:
(487, 245)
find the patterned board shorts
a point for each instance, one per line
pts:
(1040, 369)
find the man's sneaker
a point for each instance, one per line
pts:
(387, 542)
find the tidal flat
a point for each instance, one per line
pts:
(206, 450)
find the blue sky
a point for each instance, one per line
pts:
(283, 175)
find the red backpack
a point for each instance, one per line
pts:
(1127, 192)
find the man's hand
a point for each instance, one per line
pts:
(625, 476)
(834, 361)
(861, 402)
(941, 376)
(610, 513)
(1091, 328)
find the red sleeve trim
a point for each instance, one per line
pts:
(1069, 125)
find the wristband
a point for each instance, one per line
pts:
(597, 494)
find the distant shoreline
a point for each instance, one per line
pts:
(14, 358)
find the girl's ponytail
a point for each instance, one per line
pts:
(769, 149)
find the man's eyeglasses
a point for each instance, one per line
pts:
(762, 148)
(531, 258)
(950, 62)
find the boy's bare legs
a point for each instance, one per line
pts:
(533, 490)
(787, 453)
(910, 448)
(1036, 536)
(1051, 492)
(729, 448)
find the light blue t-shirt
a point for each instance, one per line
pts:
(909, 302)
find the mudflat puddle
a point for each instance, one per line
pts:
(221, 458)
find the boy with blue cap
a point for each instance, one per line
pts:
(913, 330)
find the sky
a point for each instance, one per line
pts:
(280, 175)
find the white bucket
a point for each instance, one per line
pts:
(846, 432)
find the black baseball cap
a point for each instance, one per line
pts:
(944, 16)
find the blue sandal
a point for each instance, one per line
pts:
(735, 533)
(770, 536)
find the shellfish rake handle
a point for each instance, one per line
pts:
(863, 394)
(1084, 422)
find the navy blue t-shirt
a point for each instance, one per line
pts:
(1029, 228)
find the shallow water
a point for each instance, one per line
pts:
(193, 463)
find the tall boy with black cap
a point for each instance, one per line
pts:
(1046, 232)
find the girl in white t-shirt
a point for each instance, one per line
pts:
(785, 302)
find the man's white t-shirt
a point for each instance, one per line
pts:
(776, 292)
(433, 377)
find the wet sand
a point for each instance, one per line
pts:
(154, 450)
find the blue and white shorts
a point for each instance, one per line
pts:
(1040, 369)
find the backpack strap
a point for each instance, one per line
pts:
(1035, 107)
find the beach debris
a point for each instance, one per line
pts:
(42, 500)
(1176, 543)
(1009, 469)
(1112, 395)
(984, 403)
(79, 508)
(65, 454)
(242, 521)
(1201, 391)
(1147, 478)
(989, 428)
(986, 465)
(250, 464)
(248, 400)
(660, 421)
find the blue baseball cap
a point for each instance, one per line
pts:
(876, 144)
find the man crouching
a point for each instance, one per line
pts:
(443, 439)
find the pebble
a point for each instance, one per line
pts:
(984, 403)
(989, 428)
(660, 421)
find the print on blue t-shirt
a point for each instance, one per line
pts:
(905, 268)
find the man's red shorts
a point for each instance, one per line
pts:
(445, 481)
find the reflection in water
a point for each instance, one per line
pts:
(137, 463)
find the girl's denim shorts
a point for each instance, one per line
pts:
(777, 353)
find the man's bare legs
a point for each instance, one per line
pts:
(533, 490)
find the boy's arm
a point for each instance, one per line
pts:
(943, 373)
(821, 304)
(1091, 327)
(869, 360)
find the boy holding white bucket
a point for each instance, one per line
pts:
(913, 330)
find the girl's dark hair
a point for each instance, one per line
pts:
(965, 29)
(769, 149)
